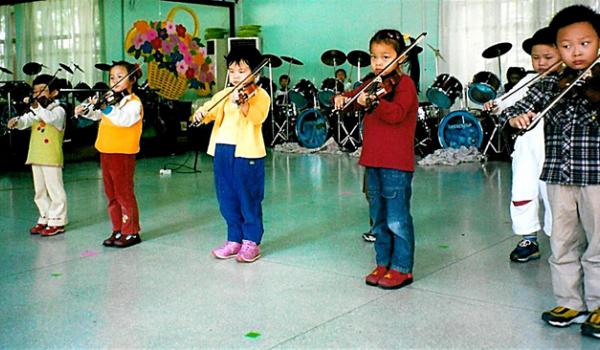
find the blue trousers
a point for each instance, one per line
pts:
(389, 192)
(240, 186)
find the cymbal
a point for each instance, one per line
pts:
(274, 60)
(5, 70)
(292, 60)
(32, 68)
(496, 50)
(103, 67)
(333, 57)
(357, 56)
(65, 67)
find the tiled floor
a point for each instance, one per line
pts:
(308, 289)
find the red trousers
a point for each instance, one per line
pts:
(117, 174)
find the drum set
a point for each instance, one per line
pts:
(306, 113)
(468, 127)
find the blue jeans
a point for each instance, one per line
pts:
(389, 191)
(240, 186)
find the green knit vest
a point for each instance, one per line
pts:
(45, 145)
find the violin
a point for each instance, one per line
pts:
(587, 86)
(106, 100)
(246, 92)
(381, 89)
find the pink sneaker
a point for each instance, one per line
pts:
(249, 252)
(228, 250)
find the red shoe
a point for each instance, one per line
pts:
(37, 229)
(394, 279)
(373, 278)
(53, 231)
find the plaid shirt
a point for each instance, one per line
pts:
(572, 133)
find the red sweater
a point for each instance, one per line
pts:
(389, 130)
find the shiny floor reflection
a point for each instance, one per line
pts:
(308, 289)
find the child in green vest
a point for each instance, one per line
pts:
(46, 118)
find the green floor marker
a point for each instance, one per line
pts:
(444, 246)
(55, 274)
(252, 335)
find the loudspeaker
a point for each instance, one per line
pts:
(216, 49)
(243, 42)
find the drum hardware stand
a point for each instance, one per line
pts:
(348, 138)
(499, 145)
(282, 131)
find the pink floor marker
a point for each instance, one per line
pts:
(88, 253)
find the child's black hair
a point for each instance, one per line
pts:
(47, 79)
(396, 40)
(285, 76)
(544, 36)
(129, 67)
(340, 70)
(574, 14)
(250, 55)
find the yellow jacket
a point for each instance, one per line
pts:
(250, 143)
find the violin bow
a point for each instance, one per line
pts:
(555, 100)
(531, 82)
(377, 78)
(241, 83)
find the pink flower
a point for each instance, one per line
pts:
(187, 58)
(171, 28)
(181, 67)
(138, 41)
(151, 34)
(167, 47)
(183, 48)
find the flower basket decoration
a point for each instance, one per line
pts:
(176, 59)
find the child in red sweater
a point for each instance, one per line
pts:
(388, 155)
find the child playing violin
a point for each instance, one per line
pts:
(237, 145)
(571, 171)
(528, 156)
(47, 122)
(388, 155)
(120, 113)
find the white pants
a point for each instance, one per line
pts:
(527, 164)
(50, 196)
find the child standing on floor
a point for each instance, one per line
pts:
(118, 142)
(528, 155)
(237, 145)
(47, 121)
(572, 171)
(388, 155)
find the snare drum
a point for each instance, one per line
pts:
(444, 91)
(484, 87)
(312, 128)
(303, 94)
(428, 111)
(460, 128)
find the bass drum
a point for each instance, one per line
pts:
(460, 128)
(312, 128)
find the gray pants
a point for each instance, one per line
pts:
(575, 244)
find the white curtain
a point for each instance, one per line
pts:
(6, 41)
(468, 27)
(63, 31)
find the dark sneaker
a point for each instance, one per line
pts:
(125, 241)
(591, 326)
(563, 316)
(526, 250)
(369, 237)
